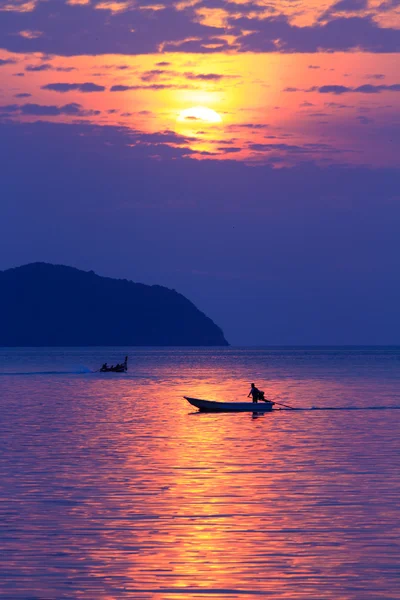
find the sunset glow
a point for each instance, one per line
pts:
(277, 126)
(199, 307)
(200, 113)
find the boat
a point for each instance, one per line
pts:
(120, 368)
(214, 406)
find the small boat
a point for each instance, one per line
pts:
(120, 368)
(213, 406)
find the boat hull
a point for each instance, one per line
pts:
(213, 406)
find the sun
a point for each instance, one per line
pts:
(199, 113)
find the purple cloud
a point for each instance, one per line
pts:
(154, 74)
(277, 34)
(235, 7)
(349, 6)
(203, 46)
(48, 67)
(153, 86)
(343, 89)
(73, 29)
(362, 89)
(291, 148)
(206, 76)
(62, 88)
(7, 61)
(255, 126)
(121, 88)
(333, 89)
(42, 67)
(376, 89)
(139, 31)
(48, 111)
(232, 150)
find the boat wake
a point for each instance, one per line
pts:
(350, 408)
(80, 371)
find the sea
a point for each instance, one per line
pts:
(113, 487)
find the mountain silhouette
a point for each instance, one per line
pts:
(53, 305)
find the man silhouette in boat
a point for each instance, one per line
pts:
(119, 368)
(255, 393)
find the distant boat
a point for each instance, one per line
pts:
(120, 368)
(213, 406)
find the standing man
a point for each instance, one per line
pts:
(254, 392)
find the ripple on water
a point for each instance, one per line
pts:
(115, 488)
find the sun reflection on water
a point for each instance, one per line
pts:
(126, 491)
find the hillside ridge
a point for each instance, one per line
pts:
(42, 304)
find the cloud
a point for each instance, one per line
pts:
(236, 7)
(389, 5)
(48, 67)
(255, 126)
(334, 89)
(62, 88)
(87, 139)
(206, 76)
(348, 6)
(292, 148)
(122, 88)
(23, 95)
(334, 105)
(317, 115)
(57, 27)
(42, 67)
(153, 86)
(75, 29)
(155, 74)
(203, 46)
(376, 89)
(277, 34)
(7, 61)
(72, 109)
(343, 89)
(231, 150)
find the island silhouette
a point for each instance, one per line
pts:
(43, 304)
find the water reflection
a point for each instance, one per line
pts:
(113, 488)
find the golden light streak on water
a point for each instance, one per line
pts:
(116, 487)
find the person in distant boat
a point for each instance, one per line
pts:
(255, 393)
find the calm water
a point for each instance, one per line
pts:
(111, 486)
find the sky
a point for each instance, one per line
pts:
(243, 153)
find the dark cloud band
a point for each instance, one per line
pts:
(60, 28)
